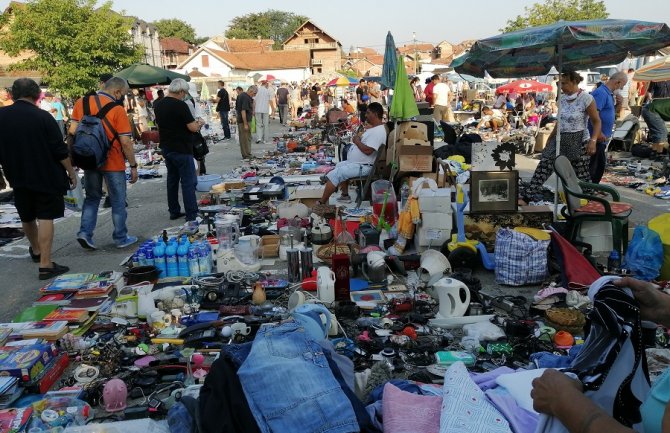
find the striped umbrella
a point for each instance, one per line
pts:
(342, 82)
(658, 70)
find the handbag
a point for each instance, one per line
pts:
(200, 148)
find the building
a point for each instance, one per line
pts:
(174, 51)
(233, 45)
(145, 35)
(217, 63)
(325, 52)
(445, 51)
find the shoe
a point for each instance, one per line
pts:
(177, 216)
(323, 179)
(344, 199)
(35, 257)
(54, 271)
(258, 141)
(107, 203)
(129, 241)
(86, 243)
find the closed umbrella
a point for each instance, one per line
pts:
(567, 45)
(403, 105)
(658, 70)
(390, 63)
(144, 75)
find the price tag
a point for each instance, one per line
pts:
(433, 234)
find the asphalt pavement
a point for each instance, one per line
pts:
(148, 216)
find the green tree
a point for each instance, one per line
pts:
(176, 28)
(72, 42)
(552, 11)
(271, 24)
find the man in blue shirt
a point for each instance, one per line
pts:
(605, 101)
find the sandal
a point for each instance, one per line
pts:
(33, 256)
(54, 271)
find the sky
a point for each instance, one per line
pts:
(365, 24)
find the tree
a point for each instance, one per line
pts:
(271, 24)
(552, 11)
(175, 28)
(72, 41)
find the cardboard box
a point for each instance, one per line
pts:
(424, 237)
(270, 245)
(412, 131)
(437, 220)
(408, 146)
(435, 201)
(420, 163)
(437, 177)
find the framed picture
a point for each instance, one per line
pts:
(494, 191)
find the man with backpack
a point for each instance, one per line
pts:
(101, 144)
(36, 163)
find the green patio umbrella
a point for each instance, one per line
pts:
(144, 75)
(403, 105)
(567, 45)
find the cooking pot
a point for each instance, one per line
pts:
(322, 234)
(140, 274)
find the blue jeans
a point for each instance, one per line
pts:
(225, 123)
(290, 386)
(180, 168)
(116, 190)
(658, 132)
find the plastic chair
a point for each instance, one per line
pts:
(597, 208)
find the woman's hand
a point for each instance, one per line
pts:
(591, 148)
(550, 388)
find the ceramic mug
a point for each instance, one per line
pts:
(240, 328)
(325, 284)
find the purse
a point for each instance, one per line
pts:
(200, 148)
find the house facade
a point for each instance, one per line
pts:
(146, 36)
(325, 52)
(174, 51)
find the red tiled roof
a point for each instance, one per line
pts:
(176, 45)
(422, 48)
(265, 61)
(245, 45)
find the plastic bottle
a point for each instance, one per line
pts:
(193, 262)
(149, 254)
(614, 262)
(171, 259)
(404, 195)
(182, 258)
(204, 260)
(159, 258)
(141, 257)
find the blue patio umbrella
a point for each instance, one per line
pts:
(390, 63)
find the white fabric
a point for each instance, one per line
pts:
(497, 114)
(465, 408)
(374, 138)
(519, 384)
(262, 100)
(573, 115)
(347, 170)
(441, 94)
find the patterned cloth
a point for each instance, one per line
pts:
(405, 412)
(465, 408)
(597, 208)
(520, 259)
(572, 146)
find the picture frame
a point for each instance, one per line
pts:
(494, 191)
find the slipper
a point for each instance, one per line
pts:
(34, 257)
(54, 271)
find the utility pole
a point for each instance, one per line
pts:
(415, 64)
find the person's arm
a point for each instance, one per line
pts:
(3, 184)
(195, 125)
(592, 112)
(245, 120)
(654, 304)
(556, 394)
(67, 164)
(358, 142)
(129, 153)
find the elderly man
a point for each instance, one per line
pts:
(244, 107)
(36, 162)
(176, 126)
(606, 101)
(118, 131)
(360, 157)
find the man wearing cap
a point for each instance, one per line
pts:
(223, 108)
(262, 108)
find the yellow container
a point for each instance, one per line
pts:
(661, 225)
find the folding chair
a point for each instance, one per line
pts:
(364, 182)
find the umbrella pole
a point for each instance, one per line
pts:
(558, 124)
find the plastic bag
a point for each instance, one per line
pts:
(252, 127)
(74, 199)
(644, 256)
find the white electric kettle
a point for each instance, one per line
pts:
(325, 284)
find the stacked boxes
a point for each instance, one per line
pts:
(413, 151)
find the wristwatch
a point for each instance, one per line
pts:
(133, 166)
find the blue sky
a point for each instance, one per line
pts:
(366, 23)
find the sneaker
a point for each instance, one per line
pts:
(86, 243)
(129, 241)
(258, 141)
(344, 199)
(54, 271)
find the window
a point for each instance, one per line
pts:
(307, 41)
(205, 61)
(316, 41)
(318, 70)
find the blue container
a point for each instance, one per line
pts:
(171, 260)
(159, 258)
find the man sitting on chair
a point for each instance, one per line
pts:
(360, 157)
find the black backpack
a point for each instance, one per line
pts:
(91, 145)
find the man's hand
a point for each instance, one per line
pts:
(246, 126)
(133, 175)
(73, 180)
(654, 304)
(547, 387)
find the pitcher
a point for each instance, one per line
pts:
(227, 233)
